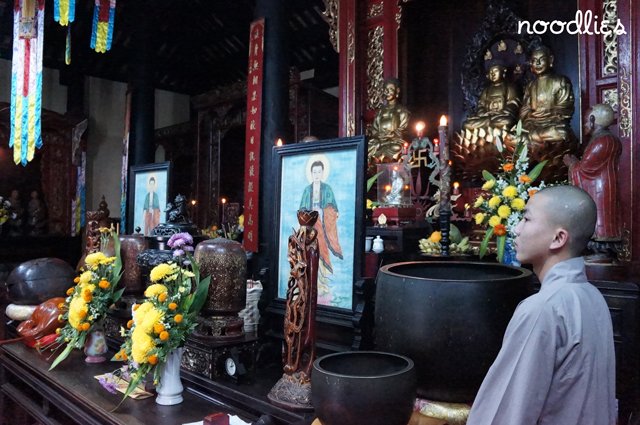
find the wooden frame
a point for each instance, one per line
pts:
(140, 178)
(342, 175)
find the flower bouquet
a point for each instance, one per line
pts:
(87, 302)
(164, 320)
(506, 194)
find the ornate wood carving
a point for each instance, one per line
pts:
(375, 69)
(375, 9)
(625, 115)
(331, 15)
(610, 97)
(610, 41)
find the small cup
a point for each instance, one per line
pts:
(368, 242)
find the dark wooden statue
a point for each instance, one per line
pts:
(597, 173)
(293, 390)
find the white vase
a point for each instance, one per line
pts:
(378, 245)
(170, 387)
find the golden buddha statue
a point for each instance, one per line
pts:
(391, 120)
(499, 102)
(548, 102)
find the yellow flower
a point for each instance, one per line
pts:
(164, 335)
(241, 220)
(158, 327)
(70, 291)
(104, 284)
(77, 311)
(479, 218)
(178, 317)
(494, 221)
(152, 317)
(155, 289)
(494, 201)
(86, 277)
(160, 272)
(518, 204)
(369, 204)
(489, 184)
(107, 260)
(173, 306)
(504, 211)
(94, 259)
(141, 311)
(435, 237)
(510, 192)
(141, 344)
(478, 202)
(153, 359)
(85, 326)
(162, 297)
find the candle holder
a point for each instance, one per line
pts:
(445, 188)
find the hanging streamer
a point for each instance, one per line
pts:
(64, 11)
(26, 79)
(67, 47)
(103, 15)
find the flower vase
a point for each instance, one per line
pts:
(95, 346)
(170, 387)
(509, 256)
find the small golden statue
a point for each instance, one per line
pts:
(499, 102)
(392, 118)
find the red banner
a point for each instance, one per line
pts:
(252, 142)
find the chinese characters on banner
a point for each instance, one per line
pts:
(252, 143)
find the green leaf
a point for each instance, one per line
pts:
(371, 180)
(117, 294)
(500, 240)
(65, 353)
(487, 175)
(485, 242)
(533, 175)
(200, 296)
(519, 128)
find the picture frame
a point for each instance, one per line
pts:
(141, 178)
(340, 225)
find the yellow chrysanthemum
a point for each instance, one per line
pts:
(510, 192)
(504, 211)
(86, 277)
(494, 201)
(107, 260)
(494, 221)
(77, 311)
(478, 202)
(141, 345)
(94, 259)
(141, 311)
(152, 317)
(518, 204)
(489, 184)
(160, 272)
(155, 289)
(479, 218)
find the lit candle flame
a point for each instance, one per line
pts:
(420, 125)
(436, 142)
(223, 200)
(443, 120)
(279, 142)
(388, 188)
(193, 202)
(456, 185)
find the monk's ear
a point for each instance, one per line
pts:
(560, 239)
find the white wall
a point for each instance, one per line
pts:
(105, 107)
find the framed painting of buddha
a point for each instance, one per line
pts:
(327, 177)
(149, 193)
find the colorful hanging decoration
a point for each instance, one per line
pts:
(26, 79)
(103, 16)
(67, 47)
(64, 11)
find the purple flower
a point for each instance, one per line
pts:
(108, 383)
(179, 240)
(178, 253)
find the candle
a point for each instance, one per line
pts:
(456, 188)
(223, 201)
(405, 148)
(279, 142)
(436, 147)
(420, 125)
(445, 187)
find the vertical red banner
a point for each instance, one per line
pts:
(252, 136)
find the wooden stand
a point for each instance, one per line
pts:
(395, 215)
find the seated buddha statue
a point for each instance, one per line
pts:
(391, 120)
(548, 102)
(498, 104)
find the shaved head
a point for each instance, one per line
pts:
(574, 210)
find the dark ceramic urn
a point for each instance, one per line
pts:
(449, 317)
(35, 281)
(226, 262)
(363, 387)
(130, 247)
